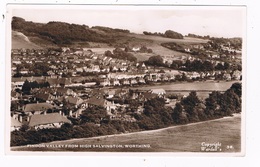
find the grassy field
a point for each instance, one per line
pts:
(155, 45)
(185, 88)
(207, 85)
(159, 39)
(183, 138)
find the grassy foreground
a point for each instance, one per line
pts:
(183, 138)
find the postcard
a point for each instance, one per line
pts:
(131, 79)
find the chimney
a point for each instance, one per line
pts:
(70, 113)
(60, 113)
(45, 112)
(20, 118)
(80, 112)
(28, 119)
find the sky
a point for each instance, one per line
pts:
(214, 21)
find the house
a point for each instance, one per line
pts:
(45, 121)
(114, 69)
(24, 71)
(148, 95)
(122, 68)
(79, 69)
(58, 82)
(65, 91)
(96, 68)
(15, 95)
(51, 73)
(115, 82)
(43, 90)
(133, 81)
(96, 101)
(193, 75)
(37, 108)
(125, 82)
(159, 92)
(135, 49)
(44, 97)
(237, 75)
(227, 77)
(74, 100)
(121, 92)
(54, 82)
(214, 56)
(110, 94)
(18, 83)
(15, 124)
(140, 80)
(105, 82)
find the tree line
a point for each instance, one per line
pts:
(166, 34)
(196, 65)
(119, 53)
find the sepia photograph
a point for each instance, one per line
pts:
(141, 79)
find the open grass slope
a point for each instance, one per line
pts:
(19, 40)
(154, 42)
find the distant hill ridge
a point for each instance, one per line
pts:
(62, 33)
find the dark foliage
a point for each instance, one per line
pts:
(61, 33)
(167, 34)
(155, 61)
(118, 53)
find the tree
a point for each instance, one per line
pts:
(108, 53)
(176, 64)
(41, 68)
(230, 103)
(177, 113)
(26, 88)
(172, 34)
(46, 84)
(226, 66)
(34, 84)
(219, 66)
(208, 66)
(237, 88)
(213, 104)
(189, 103)
(150, 50)
(155, 61)
(94, 115)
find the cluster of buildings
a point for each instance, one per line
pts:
(74, 80)
(51, 107)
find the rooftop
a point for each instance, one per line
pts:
(37, 107)
(41, 119)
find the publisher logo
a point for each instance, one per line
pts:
(210, 147)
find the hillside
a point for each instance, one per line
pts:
(56, 34)
(19, 40)
(60, 33)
